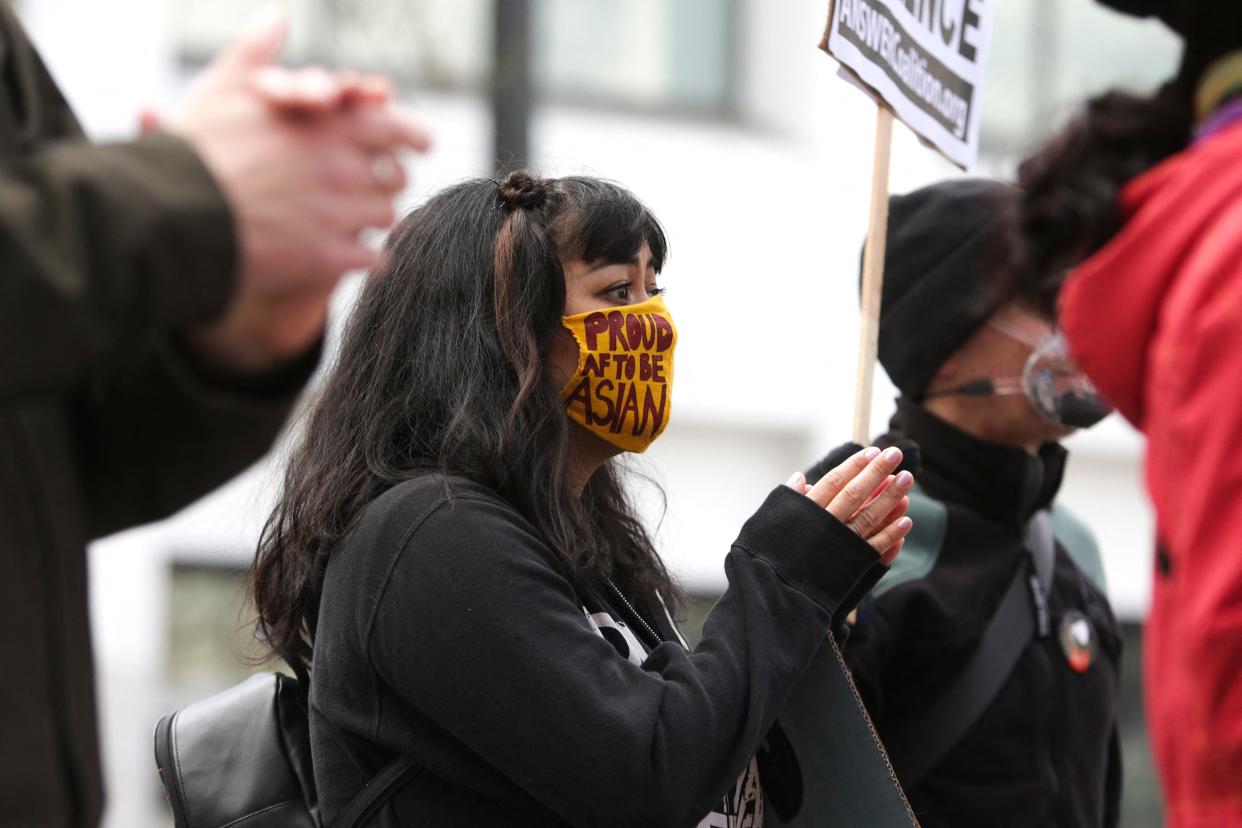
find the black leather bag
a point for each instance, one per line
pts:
(242, 757)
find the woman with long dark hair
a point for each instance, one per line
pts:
(1139, 200)
(455, 562)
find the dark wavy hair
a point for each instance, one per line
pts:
(1072, 184)
(441, 370)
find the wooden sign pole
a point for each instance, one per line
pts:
(846, 773)
(873, 274)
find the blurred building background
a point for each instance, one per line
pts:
(725, 117)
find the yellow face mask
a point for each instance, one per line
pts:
(621, 391)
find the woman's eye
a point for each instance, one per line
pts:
(624, 291)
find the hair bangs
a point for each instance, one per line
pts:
(607, 223)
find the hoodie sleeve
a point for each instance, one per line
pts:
(476, 628)
(163, 429)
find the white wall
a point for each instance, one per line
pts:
(765, 222)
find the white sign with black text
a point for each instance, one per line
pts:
(925, 58)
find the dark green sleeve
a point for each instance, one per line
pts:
(107, 252)
(104, 246)
(163, 430)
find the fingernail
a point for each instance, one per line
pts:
(871, 453)
(904, 524)
(893, 454)
(274, 81)
(904, 479)
(794, 480)
(377, 86)
(318, 86)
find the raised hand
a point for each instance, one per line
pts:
(865, 495)
(303, 189)
(309, 162)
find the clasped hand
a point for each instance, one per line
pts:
(866, 495)
(309, 161)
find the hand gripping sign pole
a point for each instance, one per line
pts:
(922, 61)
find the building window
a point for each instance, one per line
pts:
(1049, 55)
(645, 54)
(211, 641)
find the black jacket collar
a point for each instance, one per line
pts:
(1003, 483)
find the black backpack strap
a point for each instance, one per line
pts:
(918, 745)
(376, 792)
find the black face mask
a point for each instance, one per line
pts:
(1082, 410)
(1072, 409)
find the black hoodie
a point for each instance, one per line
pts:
(446, 631)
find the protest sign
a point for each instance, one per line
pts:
(926, 59)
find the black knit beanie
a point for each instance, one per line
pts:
(944, 266)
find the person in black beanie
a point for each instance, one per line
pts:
(988, 657)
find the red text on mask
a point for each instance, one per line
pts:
(628, 332)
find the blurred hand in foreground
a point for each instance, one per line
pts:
(309, 162)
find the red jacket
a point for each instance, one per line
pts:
(1155, 318)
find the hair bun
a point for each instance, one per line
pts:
(521, 189)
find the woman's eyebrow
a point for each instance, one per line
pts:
(602, 263)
